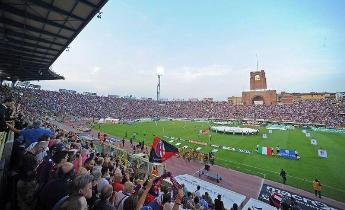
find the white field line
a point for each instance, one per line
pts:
(274, 172)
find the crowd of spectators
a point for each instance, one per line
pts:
(52, 169)
(327, 112)
(51, 102)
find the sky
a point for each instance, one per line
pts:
(207, 48)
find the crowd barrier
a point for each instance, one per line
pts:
(6, 145)
(140, 161)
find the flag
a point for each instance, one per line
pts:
(161, 150)
(313, 142)
(265, 150)
(322, 153)
(288, 153)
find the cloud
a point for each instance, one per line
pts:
(193, 73)
(95, 69)
(160, 70)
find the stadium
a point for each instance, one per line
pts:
(76, 150)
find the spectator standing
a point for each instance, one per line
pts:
(117, 184)
(197, 192)
(121, 196)
(33, 134)
(104, 202)
(57, 188)
(208, 199)
(5, 113)
(218, 203)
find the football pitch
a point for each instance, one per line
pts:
(330, 171)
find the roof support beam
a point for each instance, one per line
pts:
(23, 49)
(25, 66)
(23, 59)
(20, 13)
(16, 42)
(26, 36)
(88, 3)
(23, 54)
(55, 9)
(30, 28)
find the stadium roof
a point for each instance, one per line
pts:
(34, 33)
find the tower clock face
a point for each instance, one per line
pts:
(257, 77)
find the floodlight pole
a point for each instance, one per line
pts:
(158, 86)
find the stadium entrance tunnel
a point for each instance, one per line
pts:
(258, 100)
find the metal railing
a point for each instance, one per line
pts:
(6, 145)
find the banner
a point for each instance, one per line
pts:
(322, 153)
(237, 150)
(254, 204)
(285, 153)
(313, 142)
(228, 197)
(304, 202)
(198, 142)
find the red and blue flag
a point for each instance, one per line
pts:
(161, 151)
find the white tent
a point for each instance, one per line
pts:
(111, 120)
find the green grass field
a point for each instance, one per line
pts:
(301, 172)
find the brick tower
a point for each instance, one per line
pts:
(258, 93)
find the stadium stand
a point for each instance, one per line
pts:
(36, 172)
(45, 167)
(320, 112)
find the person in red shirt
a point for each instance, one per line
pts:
(117, 184)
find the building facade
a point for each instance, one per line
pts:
(258, 93)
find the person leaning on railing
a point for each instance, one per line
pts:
(6, 113)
